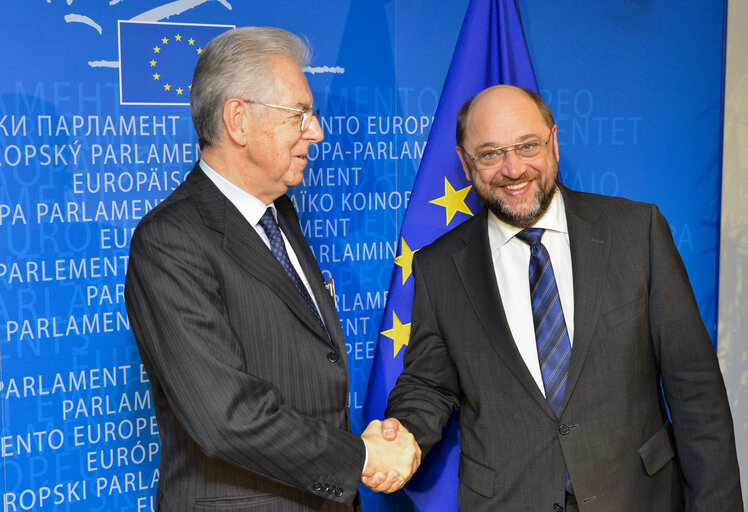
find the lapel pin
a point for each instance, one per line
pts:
(330, 286)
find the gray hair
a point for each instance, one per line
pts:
(234, 65)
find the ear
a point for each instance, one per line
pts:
(464, 163)
(235, 121)
(555, 142)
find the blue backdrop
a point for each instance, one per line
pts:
(635, 87)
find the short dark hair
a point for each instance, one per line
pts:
(461, 120)
(545, 113)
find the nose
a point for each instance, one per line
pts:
(314, 132)
(513, 166)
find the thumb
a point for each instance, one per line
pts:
(390, 426)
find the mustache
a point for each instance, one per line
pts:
(503, 181)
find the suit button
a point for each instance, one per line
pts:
(317, 486)
(333, 357)
(557, 508)
(338, 492)
(326, 487)
(563, 429)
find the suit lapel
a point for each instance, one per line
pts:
(289, 223)
(590, 247)
(242, 243)
(475, 268)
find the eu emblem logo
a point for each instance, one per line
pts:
(156, 60)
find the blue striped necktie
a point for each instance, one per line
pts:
(554, 347)
(278, 248)
(551, 335)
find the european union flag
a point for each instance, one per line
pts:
(156, 60)
(490, 50)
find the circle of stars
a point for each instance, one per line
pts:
(154, 63)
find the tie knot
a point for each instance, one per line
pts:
(268, 222)
(531, 236)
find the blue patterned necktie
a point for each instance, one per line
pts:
(278, 248)
(551, 335)
(554, 347)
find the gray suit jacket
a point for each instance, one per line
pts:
(639, 343)
(250, 394)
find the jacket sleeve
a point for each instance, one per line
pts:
(692, 381)
(427, 391)
(178, 316)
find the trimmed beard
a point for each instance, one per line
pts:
(503, 211)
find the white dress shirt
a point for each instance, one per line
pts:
(253, 209)
(511, 260)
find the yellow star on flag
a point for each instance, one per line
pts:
(156, 49)
(405, 260)
(164, 40)
(199, 51)
(153, 63)
(156, 76)
(180, 90)
(167, 87)
(453, 200)
(178, 37)
(399, 334)
(191, 41)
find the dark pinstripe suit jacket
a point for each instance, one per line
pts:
(638, 341)
(250, 394)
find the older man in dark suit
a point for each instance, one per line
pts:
(239, 336)
(564, 328)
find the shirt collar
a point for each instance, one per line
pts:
(250, 207)
(554, 219)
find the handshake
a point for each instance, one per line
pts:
(393, 455)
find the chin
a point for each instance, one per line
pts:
(296, 181)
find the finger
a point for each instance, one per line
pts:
(374, 480)
(375, 424)
(384, 487)
(393, 482)
(377, 486)
(390, 426)
(396, 486)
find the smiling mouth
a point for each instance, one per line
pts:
(518, 186)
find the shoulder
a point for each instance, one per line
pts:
(176, 216)
(612, 209)
(174, 207)
(455, 239)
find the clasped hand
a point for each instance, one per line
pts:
(394, 455)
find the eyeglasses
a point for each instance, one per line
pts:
(494, 157)
(306, 114)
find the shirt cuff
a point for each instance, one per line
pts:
(366, 459)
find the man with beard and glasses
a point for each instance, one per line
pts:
(242, 345)
(563, 327)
